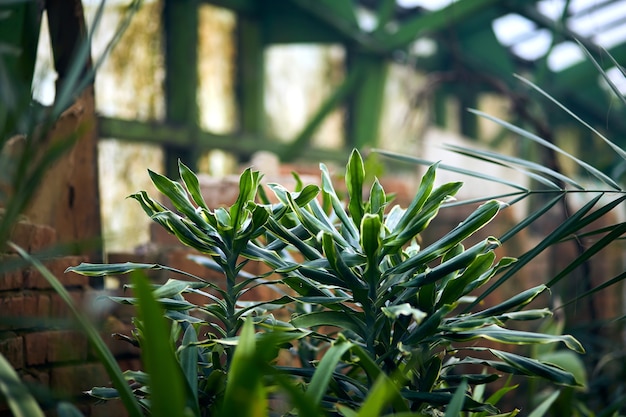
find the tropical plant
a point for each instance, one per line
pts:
(578, 225)
(371, 310)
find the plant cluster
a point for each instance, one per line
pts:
(376, 323)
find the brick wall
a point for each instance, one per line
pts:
(36, 332)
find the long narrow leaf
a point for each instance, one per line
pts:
(612, 145)
(20, 401)
(458, 399)
(321, 378)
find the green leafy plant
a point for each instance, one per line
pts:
(579, 228)
(374, 317)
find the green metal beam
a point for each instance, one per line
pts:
(367, 101)
(303, 139)
(434, 21)
(19, 35)
(285, 22)
(238, 6)
(181, 136)
(250, 75)
(180, 23)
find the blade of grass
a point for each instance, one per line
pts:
(613, 146)
(20, 401)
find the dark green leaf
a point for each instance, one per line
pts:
(330, 318)
(192, 184)
(355, 173)
(458, 400)
(532, 367)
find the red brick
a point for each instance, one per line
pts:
(34, 279)
(58, 308)
(33, 237)
(75, 379)
(13, 278)
(108, 409)
(12, 348)
(66, 346)
(36, 348)
(118, 347)
(11, 308)
(37, 376)
(70, 279)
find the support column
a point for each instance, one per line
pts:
(180, 25)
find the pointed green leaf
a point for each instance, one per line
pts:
(517, 337)
(192, 184)
(479, 218)
(378, 199)
(532, 367)
(328, 189)
(515, 302)
(355, 173)
(325, 369)
(331, 318)
(458, 400)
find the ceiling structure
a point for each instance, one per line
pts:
(474, 46)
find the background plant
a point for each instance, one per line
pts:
(371, 308)
(579, 228)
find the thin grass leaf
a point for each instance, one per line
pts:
(589, 253)
(458, 399)
(613, 281)
(530, 166)
(101, 350)
(531, 218)
(451, 168)
(613, 146)
(592, 170)
(324, 372)
(19, 399)
(603, 73)
(571, 225)
(545, 405)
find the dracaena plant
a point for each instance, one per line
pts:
(373, 317)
